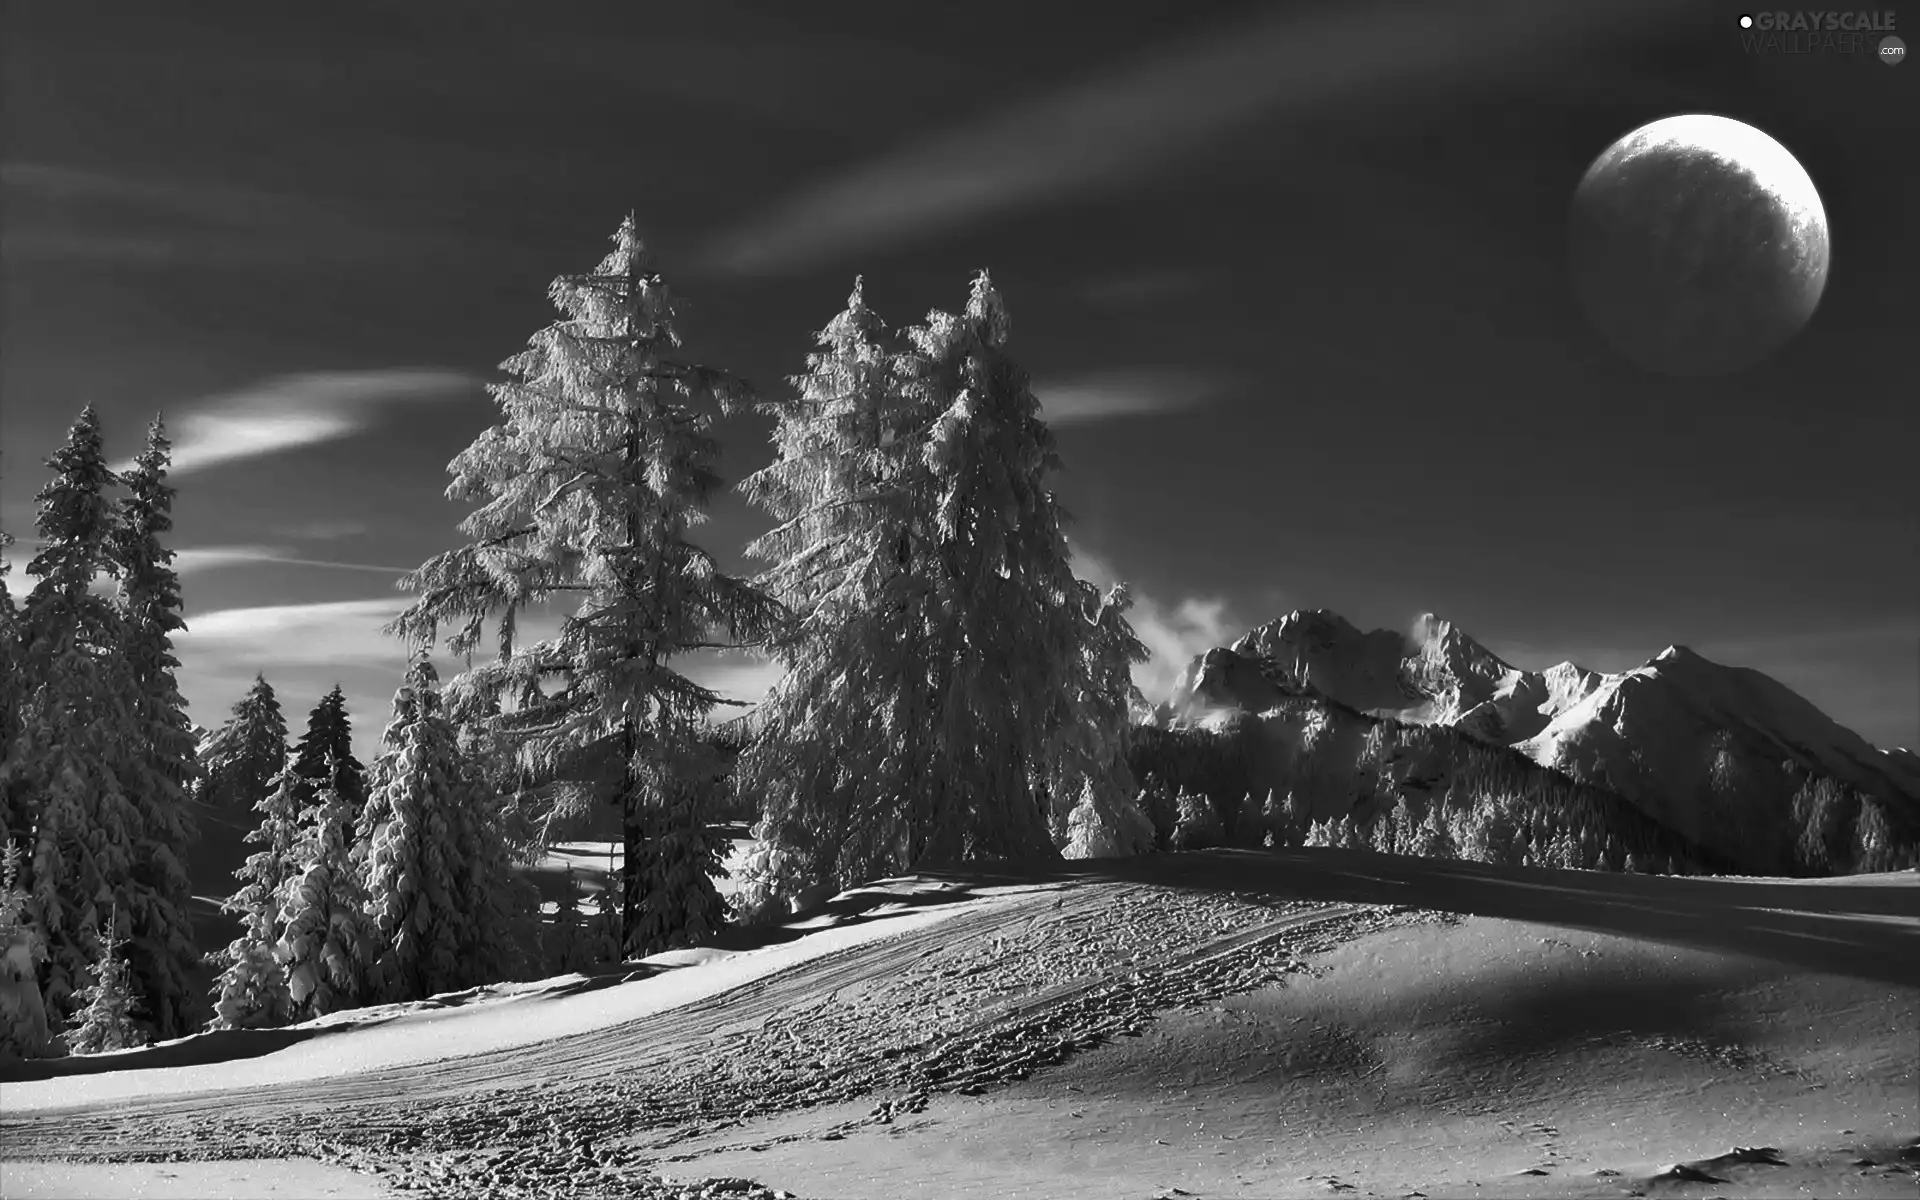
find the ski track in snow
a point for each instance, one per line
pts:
(586, 1094)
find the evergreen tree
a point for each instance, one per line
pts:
(23, 1014)
(935, 611)
(588, 488)
(1099, 828)
(1094, 720)
(156, 894)
(1199, 826)
(324, 755)
(64, 780)
(1433, 839)
(251, 991)
(327, 944)
(244, 755)
(434, 870)
(105, 1020)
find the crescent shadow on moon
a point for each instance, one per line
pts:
(1699, 245)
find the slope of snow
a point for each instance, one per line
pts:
(484, 1019)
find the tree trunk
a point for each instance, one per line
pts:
(633, 846)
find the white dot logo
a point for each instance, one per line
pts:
(1746, 22)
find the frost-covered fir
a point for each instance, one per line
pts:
(1198, 826)
(436, 927)
(587, 490)
(64, 779)
(105, 1020)
(156, 896)
(326, 943)
(1098, 827)
(935, 613)
(238, 763)
(251, 991)
(23, 1015)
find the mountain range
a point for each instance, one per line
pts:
(1714, 752)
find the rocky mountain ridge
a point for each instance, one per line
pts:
(1714, 752)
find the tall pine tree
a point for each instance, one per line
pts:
(324, 755)
(441, 898)
(64, 780)
(244, 755)
(23, 1013)
(936, 612)
(327, 942)
(251, 991)
(160, 950)
(588, 489)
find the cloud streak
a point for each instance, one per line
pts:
(1129, 123)
(293, 411)
(277, 636)
(1127, 394)
(200, 559)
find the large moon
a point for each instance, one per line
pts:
(1699, 245)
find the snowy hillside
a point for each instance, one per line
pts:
(1714, 752)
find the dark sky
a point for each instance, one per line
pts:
(1291, 279)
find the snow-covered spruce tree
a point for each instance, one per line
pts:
(251, 991)
(936, 613)
(1094, 722)
(426, 872)
(106, 1019)
(156, 895)
(1099, 828)
(326, 943)
(1432, 839)
(23, 1015)
(588, 488)
(1199, 826)
(241, 759)
(63, 781)
(324, 754)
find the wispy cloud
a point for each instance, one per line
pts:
(300, 410)
(322, 530)
(1128, 393)
(201, 559)
(1174, 633)
(337, 633)
(1127, 124)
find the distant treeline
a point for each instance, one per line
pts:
(1369, 782)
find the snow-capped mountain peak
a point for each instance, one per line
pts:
(1666, 735)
